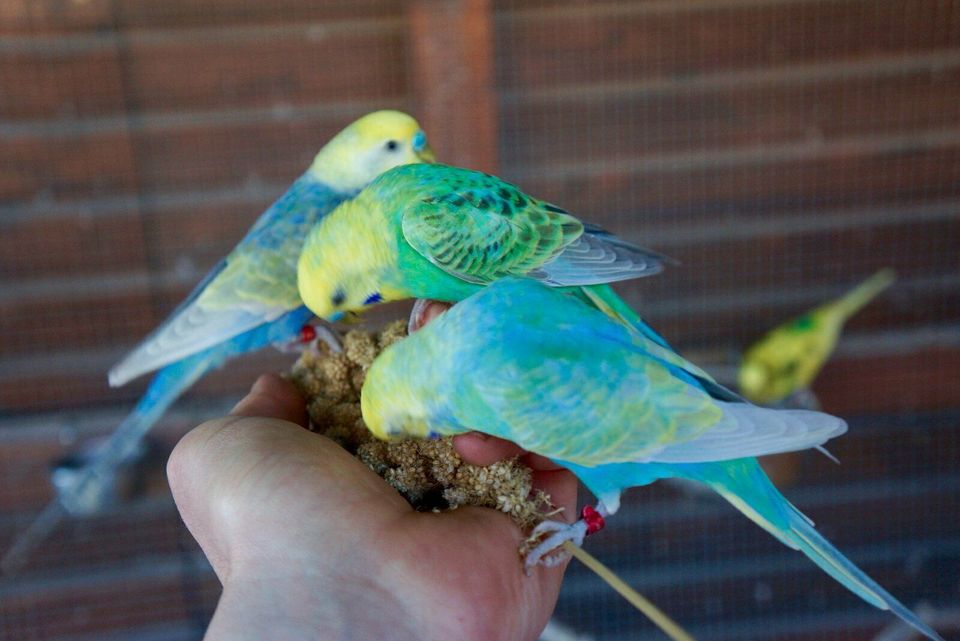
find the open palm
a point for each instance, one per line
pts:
(310, 543)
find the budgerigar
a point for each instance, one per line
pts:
(440, 232)
(786, 360)
(250, 299)
(526, 363)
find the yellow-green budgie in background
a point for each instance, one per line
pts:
(786, 360)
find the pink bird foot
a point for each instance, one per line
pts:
(546, 552)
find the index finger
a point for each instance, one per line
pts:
(477, 448)
(273, 397)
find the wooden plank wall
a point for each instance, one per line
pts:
(780, 149)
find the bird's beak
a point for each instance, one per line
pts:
(426, 155)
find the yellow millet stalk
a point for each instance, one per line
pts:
(430, 474)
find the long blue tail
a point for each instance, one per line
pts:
(165, 388)
(85, 492)
(174, 379)
(93, 483)
(744, 484)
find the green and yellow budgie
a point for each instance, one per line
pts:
(524, 362)
(788, 358)
(442, 233)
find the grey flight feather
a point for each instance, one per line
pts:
(598, 256)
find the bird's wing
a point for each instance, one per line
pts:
(597, 256)
(590, 392)
(255, 284)
(717, 424)
(481, 229)
(748, 430)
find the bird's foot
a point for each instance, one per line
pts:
(553, 534)
(307, 338)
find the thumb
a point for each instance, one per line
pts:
(273, 397)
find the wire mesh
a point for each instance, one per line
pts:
(781, 150)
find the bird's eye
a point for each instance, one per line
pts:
(338, 297)
(392, 145)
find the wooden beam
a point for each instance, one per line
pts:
(453, 79)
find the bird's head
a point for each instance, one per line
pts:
(392, 402)
(347, 260)
(368, 147)
(754, 382)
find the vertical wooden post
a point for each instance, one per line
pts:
(451, 44)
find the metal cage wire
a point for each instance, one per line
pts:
(781, 150)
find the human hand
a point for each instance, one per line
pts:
(310, 543)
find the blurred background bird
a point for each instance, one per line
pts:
(779, 368)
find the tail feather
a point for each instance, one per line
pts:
(165, 388)
(834, 563)
(747, 488)
(850, 303)
(171, 381)
(88, 488)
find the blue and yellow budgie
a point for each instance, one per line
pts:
(787, 360)
(250, 299)
(533, 365)
(442, 233)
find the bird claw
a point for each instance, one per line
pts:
(557, 534)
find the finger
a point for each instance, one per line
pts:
(273, 397)
(479, 449)
(539, 463)
(431, 309)
(561, 486)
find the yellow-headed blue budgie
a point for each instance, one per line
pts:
(248, 301)
(533, 365)
(786, 360)
(440, 232)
